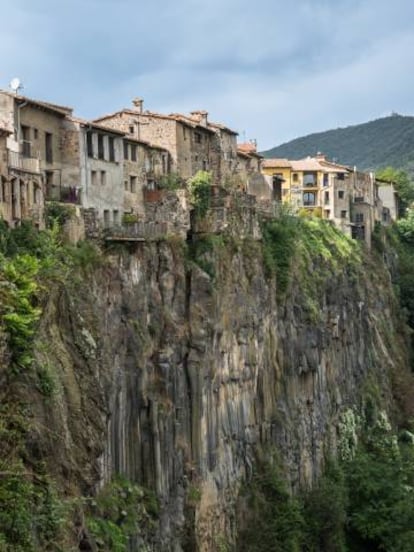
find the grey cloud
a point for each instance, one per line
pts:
(272, 68)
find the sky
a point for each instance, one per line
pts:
(270, 70)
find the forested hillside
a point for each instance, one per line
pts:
(372, 145)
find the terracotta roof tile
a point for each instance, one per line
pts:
(277, 163)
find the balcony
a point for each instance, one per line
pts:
(22, 163)
(63, 194)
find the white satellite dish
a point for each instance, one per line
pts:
(16, 85)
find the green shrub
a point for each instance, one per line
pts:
(121, 511)
(200, 192)
(279, 238)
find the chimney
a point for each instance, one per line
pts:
(320, 156)
(138, 104)
(200, 116)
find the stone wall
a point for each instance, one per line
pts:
(172, 208)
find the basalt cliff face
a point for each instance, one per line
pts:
(178, 373)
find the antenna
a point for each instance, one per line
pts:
(16, 85)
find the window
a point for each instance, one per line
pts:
(94, 178)
(111, 145)
(133, 152)
(26, 143)
(107, 218)
(3, 189)
(103, 178)
(49, 179)
(309, 179)
(49, 147)
(359, 217)
(116, 216)
(89, 144)
(205, 165)
(343, 214)
(131, 129)
(341, 194)
(184, 133)
(340, 176)
(100, 146)
(36, 196)
(326, 180)
(309, 199)
(197, 137)
(35, 133)
(326, 197)
(133, 184)
(126, 185)
(295, 177)
(125, 150)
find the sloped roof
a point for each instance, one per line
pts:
(60, 109)
(277, 163)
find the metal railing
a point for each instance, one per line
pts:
(138, 231)
(63, 194)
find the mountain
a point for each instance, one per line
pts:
(372, 145)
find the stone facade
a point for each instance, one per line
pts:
(144, 166)
(32, 153)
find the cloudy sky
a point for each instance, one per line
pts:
(272, 70)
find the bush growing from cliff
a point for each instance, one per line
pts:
(279, 239)
(199, 187)
(121, 511)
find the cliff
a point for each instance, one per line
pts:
(178, 364)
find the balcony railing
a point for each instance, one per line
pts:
(63, 194)
(17, 161)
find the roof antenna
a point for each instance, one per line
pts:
(16, 85)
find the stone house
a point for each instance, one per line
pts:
(389, 197)
(188, 142)
(223, 156)
(249, 173)
(144, 167)
(93, 168)
(33, 151)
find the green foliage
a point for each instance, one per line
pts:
(121, 511)
(199, 187)
(369, 146)
(58, 213)
(130, 218)
(171, 182)
(19, 311)
(380, 480)
(279, 239)
(307, 239)
(31, 515)
(325, 512)
(276, 522)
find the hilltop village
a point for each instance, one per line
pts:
(126, 173)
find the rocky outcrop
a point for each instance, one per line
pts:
(176, 376)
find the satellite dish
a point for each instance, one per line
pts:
(16, 85)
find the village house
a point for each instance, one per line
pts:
(223, 157)
(351, 199)
(93, 173)
(250, 177)
(188, 141)
(33, 152)
(144, 166)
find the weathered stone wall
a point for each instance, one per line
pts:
(172, 208)
(176, 377)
